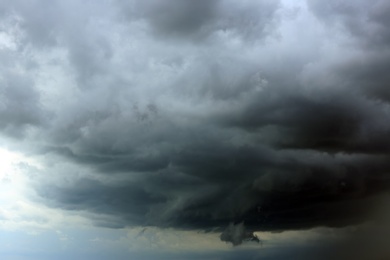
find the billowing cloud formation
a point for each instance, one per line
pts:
(196, 114)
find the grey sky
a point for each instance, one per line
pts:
(192, 115)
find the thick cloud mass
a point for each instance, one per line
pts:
(197, 114)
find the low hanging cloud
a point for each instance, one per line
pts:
(236, 234)
(198, 114)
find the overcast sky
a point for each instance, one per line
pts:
(155, 129)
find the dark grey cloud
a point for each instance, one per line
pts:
(176, 132)
(202, 189)
(279, 158)
(106, 198)
(181, 17)
(366, 23)
(200, 19)
(330, 120)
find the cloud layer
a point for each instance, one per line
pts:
(197, 114)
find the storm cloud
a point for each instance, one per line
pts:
(198, 114)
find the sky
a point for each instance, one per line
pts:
(194, 129)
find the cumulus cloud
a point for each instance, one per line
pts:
(197, 114)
